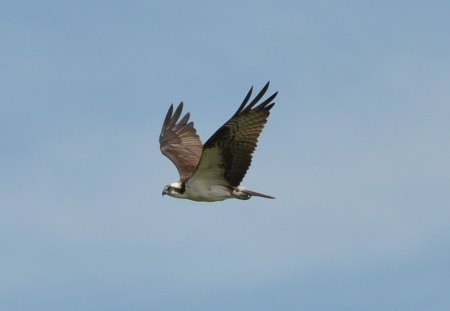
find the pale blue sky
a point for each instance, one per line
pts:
(356, 151)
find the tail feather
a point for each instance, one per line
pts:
(256, 194)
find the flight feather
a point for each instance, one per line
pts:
(179, 142)
(228, 153)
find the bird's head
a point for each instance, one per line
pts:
(174, 190)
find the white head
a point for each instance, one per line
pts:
(175, 189)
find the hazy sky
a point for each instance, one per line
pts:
(356, 152)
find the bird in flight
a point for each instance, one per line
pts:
(214, 171)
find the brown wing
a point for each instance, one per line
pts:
(227, 155)
(179, 142)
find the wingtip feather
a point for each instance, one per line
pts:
(177, 113)
(245, 101)
(258, 97)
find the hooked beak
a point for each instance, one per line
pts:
(165, 191)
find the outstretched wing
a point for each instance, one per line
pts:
(227, 155)
(179, 142)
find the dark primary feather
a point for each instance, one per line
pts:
(236, 140)
(179, 142)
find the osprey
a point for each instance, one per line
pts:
(214, 171)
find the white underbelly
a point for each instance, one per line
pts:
(201, 192)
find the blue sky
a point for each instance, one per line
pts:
(356, 151)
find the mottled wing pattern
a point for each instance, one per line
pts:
(228, 153)
(179, 142)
